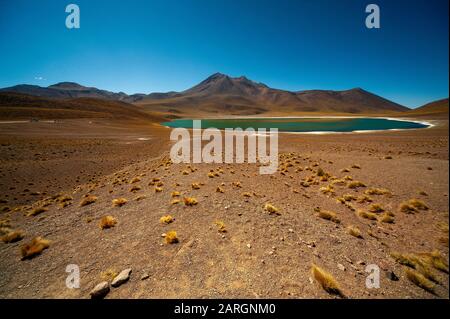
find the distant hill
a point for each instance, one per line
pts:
(65, 90)
(22, 106)
(436, 107)
(222, 94)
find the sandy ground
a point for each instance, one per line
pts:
(259, 255)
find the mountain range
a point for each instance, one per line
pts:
(222, 94)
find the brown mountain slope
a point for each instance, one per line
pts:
(222, 94)
(436, 107)
(240, 96)
(22, 106)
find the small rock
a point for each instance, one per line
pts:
(145, 276)
(100, 291)
(249, 246)
(121, 278)
(360, 262)
(392, 276)
(291, 230)
(341, 267)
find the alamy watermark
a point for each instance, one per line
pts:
(221, 149)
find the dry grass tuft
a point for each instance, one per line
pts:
(419, 280)
(135, 188)
(376, 208)
(326, 280)
(413, 206)
(166, 219)
(171, 237)
(158, 189)
(377, 191)
(34, 247)
(90, 199)
(327, 190)
(190, 201)
(271, 209)
(195, 186)
(367, 215)
(219, 189)
(37, 211)
(12, 236)
(108, 275)
(247, 194)
(118, 202)
(220, 226)
(354, 231)
(349, 197)
(387, 218)
(107, 222)
(355, 184)
(328, 215)
(415, 262)
(175, 194)
(175, 201)
(135, 180)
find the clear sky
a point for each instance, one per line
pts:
(153, 46)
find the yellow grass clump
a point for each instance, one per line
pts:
(12, 236)
(328, 215)
(34, 247)
(415, 262)
(108, 275)
(37, 211)
(220, 226)
(271, 209)
(135, 180)
(364, 199)
(190, 201)
(90, 199)
(211, 175)
(377, 191)
(171, 237)
(166, 219)
(135, 188)
(349, 197)
(327, 190)
(355, 184)
(376, 208)
(64, 198)
(367, 215)
(387, 218)
(107, 222)
(195, 186)
(419, 280)
(175, 201)
(175, 194)
(412, 206)
(247, 194)
(158, 189)
(326, 280)
(118, 202)
(354, 231)
(219, 189)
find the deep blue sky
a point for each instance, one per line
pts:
(147, 46)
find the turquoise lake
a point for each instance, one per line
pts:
(303, 124)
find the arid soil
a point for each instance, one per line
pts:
(230, 244)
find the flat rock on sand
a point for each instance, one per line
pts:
(121, 278)
(100, 291)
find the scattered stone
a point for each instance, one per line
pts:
(100, 291)
(121, 278)
(145, 276)
(249, 246)
(392, 276)
(341, 267)
(360, 262)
